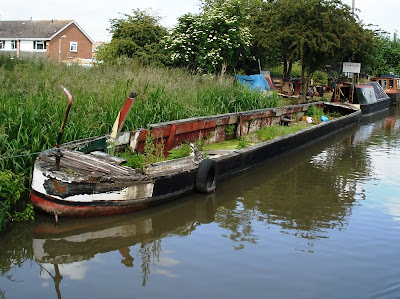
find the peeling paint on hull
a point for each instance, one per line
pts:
(55, 207)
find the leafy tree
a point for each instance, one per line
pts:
(138, 35)
(385, 57)
(211, 41)
(248, 5)
(274, 28)
(314, 32)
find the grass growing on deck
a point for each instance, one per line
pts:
(271, 132)
(264, 134)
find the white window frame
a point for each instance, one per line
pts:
(73, 46)
(37, 43)
(398, 84)
(14, 45)
(2, 44)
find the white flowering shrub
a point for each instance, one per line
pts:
(203, 42)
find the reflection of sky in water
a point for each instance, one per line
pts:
(392, 207)
(74, 271)
(166, 262)
(386, 166)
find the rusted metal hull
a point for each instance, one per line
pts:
(93, 183)
(56, 207)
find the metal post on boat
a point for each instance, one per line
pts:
(58, 153)
(119, 121)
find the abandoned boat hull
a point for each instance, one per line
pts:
(58, 196)
(103, 187)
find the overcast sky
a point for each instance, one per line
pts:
(93, 16)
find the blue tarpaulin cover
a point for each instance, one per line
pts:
(254, 82)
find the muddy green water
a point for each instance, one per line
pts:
(321, 222)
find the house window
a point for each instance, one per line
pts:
(398, 84)
(391, 83)
(73, 46)
(14, 44)
(39, 45)
(2, 44)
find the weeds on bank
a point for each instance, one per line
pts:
(11, 189)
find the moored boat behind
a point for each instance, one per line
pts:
(369, 97)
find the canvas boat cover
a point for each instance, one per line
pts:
(254, 82)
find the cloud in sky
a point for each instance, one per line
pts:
(94, 16)
(382, 13)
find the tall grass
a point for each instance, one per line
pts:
(32, 103)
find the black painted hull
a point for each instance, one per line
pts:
(367, 109)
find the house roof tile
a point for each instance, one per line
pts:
(31, 29)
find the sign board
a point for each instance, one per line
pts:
(351, 67)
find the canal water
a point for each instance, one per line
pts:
(320, 222)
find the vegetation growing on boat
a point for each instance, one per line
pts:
(182, 151)
(315, 113)
(230, 144)
(264, 134)
(133, 160)
(155, 153)
(230, 130)
(271, 132)
(243, 143)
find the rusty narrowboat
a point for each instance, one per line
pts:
(85, 178)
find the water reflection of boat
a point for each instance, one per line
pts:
(75, 240)
(310, 193)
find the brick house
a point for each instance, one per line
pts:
(58, 40)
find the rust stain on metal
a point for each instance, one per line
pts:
(170, 140)
(58, 188)
(173, 134)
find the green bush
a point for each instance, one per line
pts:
(11, 188)
(277, 71)
(320, 78)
